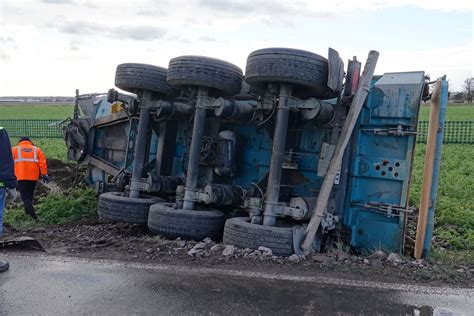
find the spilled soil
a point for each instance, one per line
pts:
(63, 176)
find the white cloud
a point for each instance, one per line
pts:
(60, 45)
(454, 62)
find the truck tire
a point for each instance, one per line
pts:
(308, 72)
(238, 231)
(223, 78)
(167, 221)
(117, 208)
(133, 77)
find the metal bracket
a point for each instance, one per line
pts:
(293, 212)
(194, 195)
(294, 103)
(207, 103)
(398, 131)
(139, 185)
(390, 210)
(328, 222)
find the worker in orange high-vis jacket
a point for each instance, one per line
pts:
(30, 166)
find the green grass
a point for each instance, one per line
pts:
(53, 148)
(454, 112)
(55, 208)
(35, 111)
(454, 221)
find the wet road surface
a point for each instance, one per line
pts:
(52, 285)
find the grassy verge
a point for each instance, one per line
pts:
(55, 208)
(454, 220)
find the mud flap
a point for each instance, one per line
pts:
(22, 243)
(336, 71)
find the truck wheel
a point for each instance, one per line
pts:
(221, 77)
(167, 221)
(238, 231)
(117, 208)
(132, 77)
(308, 72)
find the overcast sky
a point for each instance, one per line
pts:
(52, 47)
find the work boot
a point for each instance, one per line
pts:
(4, 266)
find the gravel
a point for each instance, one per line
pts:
(228, 251)
(394, 258)
(122, 241)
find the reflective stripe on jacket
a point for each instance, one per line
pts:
(30, 162)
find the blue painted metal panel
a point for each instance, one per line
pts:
(253, 155)
(437, 162)
(381, 161)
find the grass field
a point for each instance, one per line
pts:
(35, 111)
(53, 148)
(455, 205)
(455, 112)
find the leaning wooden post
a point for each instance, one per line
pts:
(335, 165)
(428, 169)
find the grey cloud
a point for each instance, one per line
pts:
(210, 39)
(7, 48)
(156, 8)
(83, 3)
(258, 6)
(157, 12)
(73, 47)
(268, 12)
(81, 27)
(138, 33)
(227, 5)
(7, 40)
(269, 8)
(58, 1)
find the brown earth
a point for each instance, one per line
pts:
(127, 242)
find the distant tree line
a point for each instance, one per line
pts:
(467, 92)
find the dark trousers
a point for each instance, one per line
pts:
(27, 191)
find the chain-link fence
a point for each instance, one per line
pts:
(32, 128)
(455, 132)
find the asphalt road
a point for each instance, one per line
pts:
(59, 286)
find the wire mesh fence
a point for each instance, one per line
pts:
(455, 132)
(32, 128)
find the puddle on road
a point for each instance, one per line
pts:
(421, 304)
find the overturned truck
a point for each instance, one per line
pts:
(199, 150)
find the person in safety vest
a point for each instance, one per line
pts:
(7, 181)
(30, 166)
